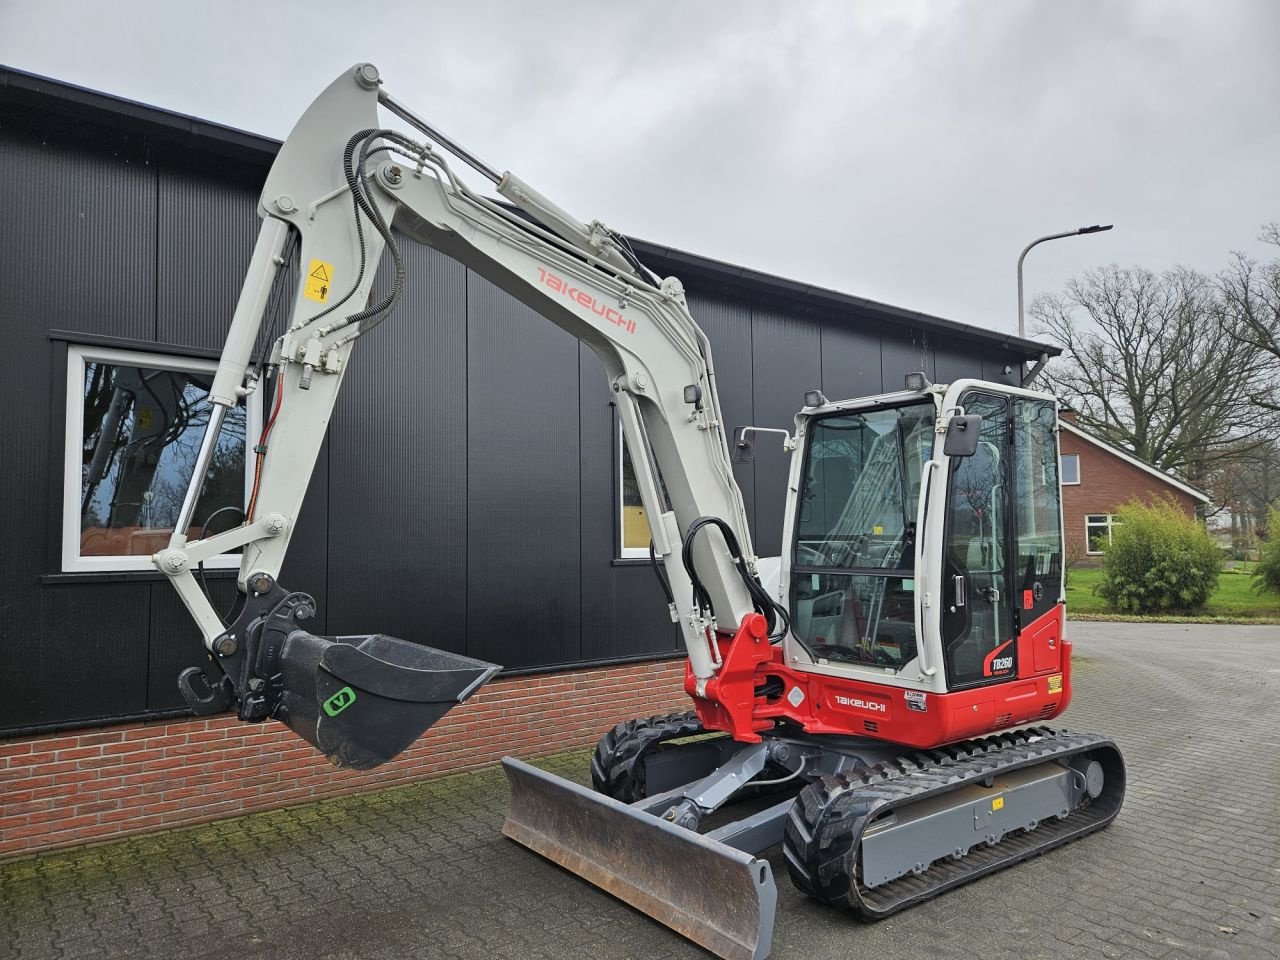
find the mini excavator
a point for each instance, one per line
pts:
(875, 697)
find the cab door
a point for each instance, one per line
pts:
(1038, 569)
(978, 628)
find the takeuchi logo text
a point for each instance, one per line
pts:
(581, 297)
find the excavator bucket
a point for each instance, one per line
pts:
(359, 700)
(363, 700)
(718, 897)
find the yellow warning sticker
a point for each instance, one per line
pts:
(877, 530)
(319, 281)
(997, 804)
(1055, 683)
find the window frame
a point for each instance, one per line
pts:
(798, 569)
(1089, 525)
(1062, 471)
(78, 356)
(623, 552)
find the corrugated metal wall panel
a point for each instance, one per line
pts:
(623, 612)
(80, 255)
(786, 361)
(91, 264)
(902, 352)
(175, 641)
(206, 231)
(996, 363)
(93, 658)
(397, 466)
(306, 568)
(955, 360)
(728, 325)
(850, 362)
(523, 514)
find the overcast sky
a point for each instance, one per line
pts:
(895, 150)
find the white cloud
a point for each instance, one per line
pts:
(902, 151)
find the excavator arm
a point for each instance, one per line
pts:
(342, 188)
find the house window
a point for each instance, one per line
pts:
(1097, 531)
(633, 521)
(1070, 469)
(134, 425)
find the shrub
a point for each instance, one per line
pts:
(1159, 561)
(1266, 576)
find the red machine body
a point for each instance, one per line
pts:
(824, 704)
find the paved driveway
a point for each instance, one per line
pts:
(1190, 869)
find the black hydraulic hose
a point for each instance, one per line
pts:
(275, 304)
(776, 616)
(357, 200)
(204, 586)
(354, 173)
(661, 574)
(372, 316)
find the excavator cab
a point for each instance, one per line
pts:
(979, 516)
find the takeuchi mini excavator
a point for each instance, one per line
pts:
(873, 698)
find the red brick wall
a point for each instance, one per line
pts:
(68, 788)
(1106, 482)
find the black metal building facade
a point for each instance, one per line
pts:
(467, 496)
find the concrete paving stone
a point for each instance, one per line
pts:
(422, 871)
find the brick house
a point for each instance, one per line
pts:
(1097, 478)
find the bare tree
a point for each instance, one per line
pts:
(1250, 297)
(1150, 365)
(1248, 483)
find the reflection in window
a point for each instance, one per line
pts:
(1037, 501)
(635, 522)
(139, 423)
(862, 487)
(856, 527)
(1071, 468)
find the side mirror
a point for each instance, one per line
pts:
(962, 435)
(744, 451)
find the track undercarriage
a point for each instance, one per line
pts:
(864, 826)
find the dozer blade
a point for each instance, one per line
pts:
(718, 897)
(363, 700)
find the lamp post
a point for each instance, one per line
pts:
(1096, 228)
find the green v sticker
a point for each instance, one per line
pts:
(339, 701)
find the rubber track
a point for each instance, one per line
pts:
(616, 770)
(826, 823)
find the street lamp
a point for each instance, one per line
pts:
(1096, 228)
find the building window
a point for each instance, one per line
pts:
(1097, 531)
(633, 521)
(134, 425)
(1070, 469)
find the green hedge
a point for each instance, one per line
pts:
(1159, 561)
(1266, 576)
